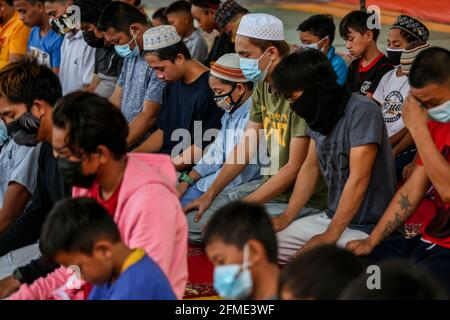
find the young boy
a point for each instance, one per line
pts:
(317, 32)
(179, 15)
(370, 65)
(204, 12)
(18, 243)
(44, 43)
(233, 95)
(138, 92)
(273, 128)
(80, 233)
(241, 244)
(391, 94)
(13, 34)
(319, 274)
(187, 102)
(349, 148)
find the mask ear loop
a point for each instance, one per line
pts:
(246, 264)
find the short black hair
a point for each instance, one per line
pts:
(75, 225)
(33, 2)
(356, 20)
(239, 222)
(181, 6)
(91, 10)
(120, 16)
(206, 4)
(160, 14)
(91, 121)
(171, 52)
(400, 280)
(26, 81)
(430, 66)
(322, 273)
(299, 69)
(320, 25)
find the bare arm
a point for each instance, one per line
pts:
(154, 143)
(15, 200)
(116, 97)
(305, 184)
(402, 206)
(188, 158)
(404, 144)
(285, 177)
(143, 122)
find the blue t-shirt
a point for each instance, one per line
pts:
(339, 66)
(184, 107)
(46, 50)
(143, 280)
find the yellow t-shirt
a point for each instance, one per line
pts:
(13, 39)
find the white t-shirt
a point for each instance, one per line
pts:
(391, 93)
(77, 63)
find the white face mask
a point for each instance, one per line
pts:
(440, 113)
(315, 45)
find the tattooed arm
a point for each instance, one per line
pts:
(402, 206)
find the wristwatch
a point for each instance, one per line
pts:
(18, 275)
(184, 177)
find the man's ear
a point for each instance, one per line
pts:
(241, 88)
(136, 28)
(103, 153)
(39, 108)
(273, 53)
(369, 35)
(256, 252)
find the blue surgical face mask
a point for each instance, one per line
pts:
(440, 113)
(234, 281)
(125, 51)
(250, 68)
(3, 133)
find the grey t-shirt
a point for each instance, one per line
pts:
(139, 83)
(197, 46)
(361, 124)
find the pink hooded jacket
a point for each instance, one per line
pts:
(148, 216)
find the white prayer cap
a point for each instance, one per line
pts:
(261, 26)
(160, 37)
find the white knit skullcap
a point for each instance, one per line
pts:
(261, 26)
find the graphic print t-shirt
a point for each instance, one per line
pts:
(365, 80)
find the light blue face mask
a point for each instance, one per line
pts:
(3, 133)
(440, 113)
(125, 51)
(250, 68)
(234, 281)
(315, 45)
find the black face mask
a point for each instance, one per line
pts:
(24, 130)
(394, 56)
(322, 104)
(92, 40)
(72, 173)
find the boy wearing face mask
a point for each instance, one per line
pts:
(391, 94)
(108, 64)
(317, 32)
(349, 148)
(261, 46)
(370, 64)
(233, 95)
(426, 114)
(241, 243)
(138, 92)
(44, 43)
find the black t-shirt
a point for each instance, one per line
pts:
(108, 62)
(365, 80)
(183, 104)
(222, 45)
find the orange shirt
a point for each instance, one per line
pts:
(13, 39)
